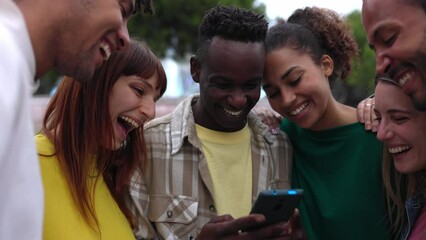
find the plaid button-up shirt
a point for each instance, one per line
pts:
(174, 194)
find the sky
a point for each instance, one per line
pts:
(284, 8)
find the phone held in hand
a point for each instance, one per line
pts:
(277, 205)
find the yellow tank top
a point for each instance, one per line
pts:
(62, 219)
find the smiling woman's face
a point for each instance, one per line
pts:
(296, 87)
(402, 127)
(131, 104)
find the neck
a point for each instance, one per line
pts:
(39, 26)
(336, 115)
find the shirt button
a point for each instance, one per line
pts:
(212, 208)
(169, 214)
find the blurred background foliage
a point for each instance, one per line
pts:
(172, 32)
(175, 24)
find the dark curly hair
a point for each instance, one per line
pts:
(144, 6)
(231, 23)
(316, 31)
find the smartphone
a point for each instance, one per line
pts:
(277, 205)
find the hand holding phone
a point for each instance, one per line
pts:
(277, 205)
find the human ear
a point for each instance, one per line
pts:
(327, 65)
(195, 68)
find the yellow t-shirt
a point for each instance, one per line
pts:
(62, 219)
(228, 156)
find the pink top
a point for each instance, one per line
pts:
(419, 229)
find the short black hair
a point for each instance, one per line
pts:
(230, 23)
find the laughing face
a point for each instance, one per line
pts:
(297, 88)
(401, 127)
(396, 31)
(229, 81)
(89, 34)
(131, 104)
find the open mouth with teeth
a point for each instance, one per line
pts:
(233, 113)
(127, 123)
(105, 50)
(300, 109)
(399, 149)
(407, 76)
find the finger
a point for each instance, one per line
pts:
(274, 231)
(295, 227)
(368, 113)
(222, 218)
(217, 227)
(375, 122)
(294, 222)
(248, 222)
(360, 111)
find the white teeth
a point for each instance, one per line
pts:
(232, 112)
(130, 121)
(395, 150)
(405, 78)
(106, 50)
(123, 144)
(299, 109)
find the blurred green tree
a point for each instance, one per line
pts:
(363, 72)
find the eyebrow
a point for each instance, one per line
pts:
(283, 77)
(144, 81)
(398, 111)
(376, 33)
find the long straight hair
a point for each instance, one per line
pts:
(78, 122)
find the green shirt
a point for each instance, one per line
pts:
(339, 170)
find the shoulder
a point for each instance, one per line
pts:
(158, 123)
(258, 128)
(49, 163)
(44, 145)
(15, 43)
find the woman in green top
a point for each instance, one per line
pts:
(336, 162)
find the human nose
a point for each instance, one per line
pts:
(123, 37)
(147, 108)
(383, 62)
(238, 99)
(287, 98)
(384, 132)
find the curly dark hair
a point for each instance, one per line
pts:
(231, 23)
(144, 6)
(317, 31)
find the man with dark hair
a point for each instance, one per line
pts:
(396, 31)
(209, 158)
(73, 37)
